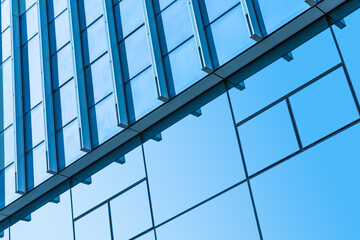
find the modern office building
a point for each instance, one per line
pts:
(179, 119)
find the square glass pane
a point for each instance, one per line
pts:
(98, 80)
(50, 221)
(31, 73)
(267, 138)
(29, 24)
(323, 107)
(62, 66)
(195, 160)
(94, 41)
(174, 25)
(65, 104)
(59, 32)
(130, 213)
(68, 144)
(228, 36)
(228, 216)
(278, 12)
(312, 195)
(135, 53)
(281, 77)
(183, 66)
(108, 182)
(103, 121)
(89, 11)
(34, 127)
(94, 225)
(129, 15)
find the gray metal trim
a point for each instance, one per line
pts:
(118, 83)
(20, 172)
(81, 100)
(200, 36)
(47, 96)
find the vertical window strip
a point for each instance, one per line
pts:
(81, 100)
(118, 83)
(48, 107)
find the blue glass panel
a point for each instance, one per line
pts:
(161, 4)
(34, 127)
(29, 24)
(62, 66)
(65, 104)
(25, 5)
(144, 95)
(212, 9)
(31, 74)
(349, 46)
(108, 182)
(310, 60)
(103, 121)
(89, 11)
(55, 7)
(94, 225)
(59, 32)
(98, 80)
(278, 12)
(189, 165)
(52, 221)
(129, 15)
(183, 66)
(229, 216)
(5, 15)
(312, 196)
(137, 56)
(36, 166)
(7, 100)
(68, 144)
(94, 41)
(147, 236)
(267, 138)
(7, 145)
(323, 107)
(228, 36)
(9, 176)
(174, 25)
(6, 234)
(130, 213)
(5, 44)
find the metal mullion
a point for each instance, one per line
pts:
(81, 100)
(47, 96)
(162, 85)
(254, 20)
(200, 36)
(18, 121)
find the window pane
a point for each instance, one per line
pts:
(281, 77)
(212, 9)
(5, 15)
(267, 138)
(62, 66)
(65, 104)
(29, 24)
(94, 225)
(129, 15)
(7, 147)
(312, 196)
(229, 216)
(108, 182)
(323, 107)
(89, 11)
(189, 164)
(34, 127)
(55, 7)
(130, 213)
(59, 32)
(7, 101)
(52, 221)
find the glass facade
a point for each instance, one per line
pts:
(93, 147)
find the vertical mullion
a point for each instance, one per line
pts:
(200, 36)
(155, 51)
(253, 19)
(118, 83)
(20, 178)
(81, 100)
(48, 107)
